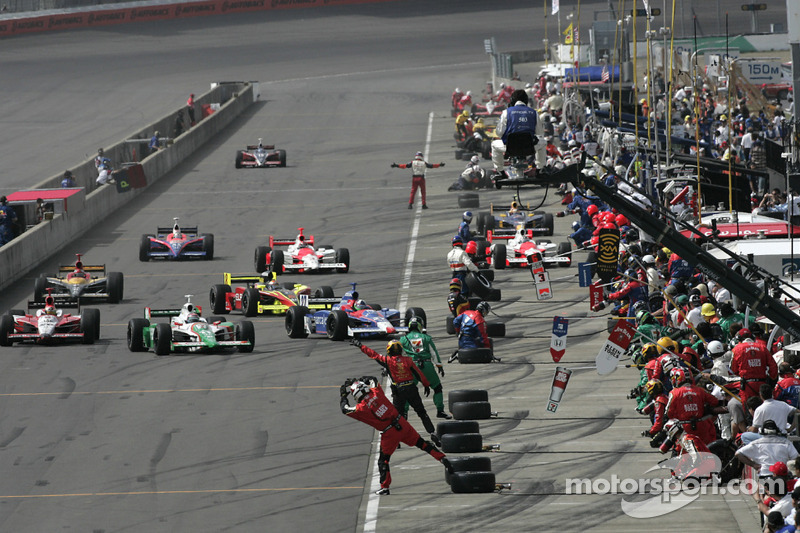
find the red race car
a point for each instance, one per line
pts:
(261, 156)
(300, 256)
(50, 324)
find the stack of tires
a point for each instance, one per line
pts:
(471, 474)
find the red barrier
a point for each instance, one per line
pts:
(107, 17)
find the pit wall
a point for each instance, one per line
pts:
(29, 250)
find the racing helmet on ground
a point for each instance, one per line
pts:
(455, 284)
(394, 347)
(360, 304)
(416, 324)
(467, 216)
(359, 390)
(483, 308)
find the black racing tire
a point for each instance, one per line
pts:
(496, 329)
(208, 246)
(323, 291)
(245, 332)
(342, 255)
(216, 298)
(489, 223)
(282, 158)
(144, 248)
(480, 224)
(494, 295)
(6, 328)
(468, 464)
(238, 161)
(471, 410)
(451, 329)
(136, 334)
(40, 288)
(466, 395)
(458, 154)
(488, 273)
(260, 258)
(457, 426)
(565, 250)
(472, 482)
(416, 312)
(336, 325)
(478, 285)
(467, 155)
(499, 255)
(295, 322)
(474, 301)
(162, 339)
(115, 287)
(461, 442)
(547, 222)
(469, 199)
(276, 261)
(90, 325)
(250, 299)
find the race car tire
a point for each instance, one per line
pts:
(480, 224)
(499, 255)
(6, 327)
(250, 299)
(282, 158)
(336, 325)
(162, 339)
(478, 285)
(469, 199)
(276, 261)
(416, 312)
(565, 250)
(466, 395)
(471, 410)
(547, 222)
(474, 301)
(90, 325)
(208, 246)
(144, 248)
(12, 312)
(260, 259)
(458, 154)
(469, 356)
(457, 426)
(468, 464)
(496, 329)
(115, 286)
(472, 482)
(466, 155)
(216, 297)
(451, 329)
(245, 332)
(136, 334)
(488, 222)
(343, 256)
(295, 322)
(323, 291)
(238, 160)
(487, 273)
(461, 442)
(39, 288)
(494, 295)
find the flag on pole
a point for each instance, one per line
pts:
(555, 7)
(605, 76)
(568, 34)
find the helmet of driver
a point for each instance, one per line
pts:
(467, 216)
(715, 349)
(359, 390)
(50, 309)
(192, 317)
(678, 376)
(360, 304)
(455, 284)
(457, 241)
(394, 347)
(483, 308)
(416, 324)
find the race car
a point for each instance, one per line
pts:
(351, 317)
(262, 294)
(520, 250)
(177, 243)
(80, 283)
(188, 332)
(504, 220)
(50, 324)
(260, 156)
(300, 256)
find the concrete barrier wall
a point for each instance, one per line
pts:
(36, 245)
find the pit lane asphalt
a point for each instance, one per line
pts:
(98, 438)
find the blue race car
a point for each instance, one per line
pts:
(177, 243)
(351, 317)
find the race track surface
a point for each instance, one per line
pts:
(101, 439)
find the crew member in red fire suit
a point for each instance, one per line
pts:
(753, 363)
(692, 405)
(657, 408)
(374, 408)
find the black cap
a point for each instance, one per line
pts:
(775, 518)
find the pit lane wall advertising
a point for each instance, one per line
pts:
(54, 21)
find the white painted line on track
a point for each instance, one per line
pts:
(371, 518)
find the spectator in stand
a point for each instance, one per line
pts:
(788, 387)
(68, 180)
(155, 142)
(190, 110)
(773, 446)
(770, 409)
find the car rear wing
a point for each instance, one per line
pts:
(508, 234)
(151, 313)
(60, 303)
(230, 279)
(184, 229)
(86, 268)
(507, 207)
(287, 241)
(264, 146)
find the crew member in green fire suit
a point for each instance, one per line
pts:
(420, 347)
